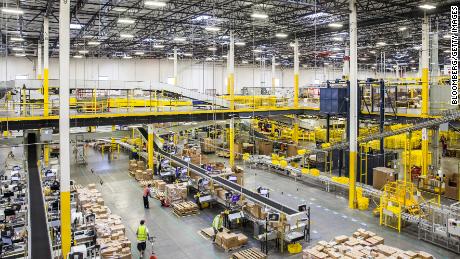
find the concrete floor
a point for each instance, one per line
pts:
(179, 238)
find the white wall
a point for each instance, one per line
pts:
(190, 74)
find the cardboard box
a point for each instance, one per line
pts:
(341, 239)
(381, 176)
(291, 150)
(424, 255)
(242, 239)
(219, 237)
(229, 240)
(265, 148)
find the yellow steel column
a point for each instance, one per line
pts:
(231, 71)
(232, 142)
(150, 149)
(45, 64)
(46, 154)
(296, 74)
(353, 104)
(425, 151)
(64, 124)
(113, 128)
(295, 133)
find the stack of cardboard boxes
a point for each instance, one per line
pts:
(176, 192)
(194, 154)
(363, 244)
(265, 148)
(137, 170)
(208, 145)
(110, 232)
(230, 240)
(255, 210)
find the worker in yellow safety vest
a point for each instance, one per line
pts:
(142, 236)
(217, 224)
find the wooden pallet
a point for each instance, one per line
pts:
(159, 195)
(185, 208)
(251, 253)
(232, 248)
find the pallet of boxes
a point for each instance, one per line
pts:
(110, 231)
(175, 192)
(208, 145)
(137, 170)
(159, 186)
(362, 244)
(230, 241)
(194, 154)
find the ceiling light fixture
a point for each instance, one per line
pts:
(179, 39)
(78, 56)
(336, 49)
(16, 39)
(188, 54)
(335, 25)
(75, 26)
(125, 21)
(337, 38)
(212, 48)
(212, 29)
(240, 43)
(381, 43)
(154, 4)
(139, 53)
(83, 51)
(281, 35)
(94, 43)
(126, 36)
(244, 62)
(17, 49)
(20, 54)
(127, 57)
(447, 36)
(259, 16)
(427, 6)
(403, 28)
(257, 50)
(446, 51)
(158, 46)
(12, 11)
(120, 9)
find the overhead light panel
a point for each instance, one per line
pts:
(139, 53)
(188, 54)
(201, 17)
(259, 16)
(78, 56)
(17, 39)
(427, 6)
(446, 51)
(244, 62)
(158, 46)
(403, 28)
(337, 38)
(120, 9)
(336, 49)
(126, 36)
(171, 58)
(335, 25)
(75, 26)
(154, 4)
(413, 68)
(240, 43)
(212, 48)
(447, 36)
(179, 39)
(224, 56)
(20, 54)
(94, 43)
(17, 49)
(257, 50)
(125, 21)
(12, 11)
(212, 29)
(281, 35)
(381, 43)
(83, 51)
(127, 57)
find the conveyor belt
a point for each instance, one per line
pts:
(224, 182)
(40, 246)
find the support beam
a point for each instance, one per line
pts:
(296, 73)
(346, 64)
(46, 154)
(353, 104)
(39, 60)
(175, 67)
(231, 71)
(273, 75)
(64, 122)
(45, 66)
(425, 89)
(150, 146)
(295, 133)
(232, 141)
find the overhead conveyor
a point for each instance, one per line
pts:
(255, 197)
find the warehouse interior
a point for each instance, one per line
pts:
(241, 129)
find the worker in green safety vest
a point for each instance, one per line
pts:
(134, 154)
(217, 224)
(142, 236)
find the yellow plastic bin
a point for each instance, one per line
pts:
(294, 248)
